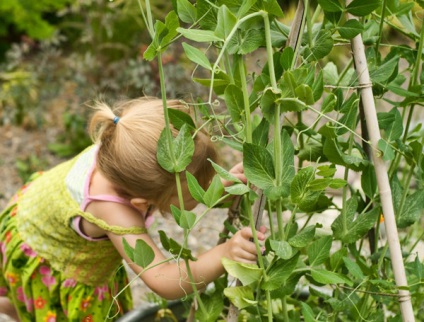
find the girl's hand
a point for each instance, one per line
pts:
(238, 172)
(241, 248)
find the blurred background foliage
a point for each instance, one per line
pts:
(57, 55)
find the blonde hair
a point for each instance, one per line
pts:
(127, 150)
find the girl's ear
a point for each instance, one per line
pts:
(140, 203)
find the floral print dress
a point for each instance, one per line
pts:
(40, 293)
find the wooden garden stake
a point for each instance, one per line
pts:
(367, 98)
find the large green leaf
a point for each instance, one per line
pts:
(170, 245)
(196, 191)
(183, 149)
(412, 209)
(258, 166)
(330, 5)
(355, 228)
(321, 47)
(279, 273)
(240, 296)
(179, 118)
(351, 28)
(196, 56)
(362, 7)
(214, 192)
(143, 253)
(213, 308)
(186, 11)
(308, 313)
(199, 35)
(246, 273)
(234, 100)
(303, 238)
(281, 248)
(326, 277)
(226, 22)
(164, 34)
(299, 185)
(319, 251)
(353, 268)
(246, 41)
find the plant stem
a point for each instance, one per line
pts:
(195, 290)
(382, 178)
(248, 121)
(380, 32)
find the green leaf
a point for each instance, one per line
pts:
(196, 56)
(183, 149)
(186, 11)
(298, 188)
(245, 6)
(234, 100)
(224, 174)
(287, 57)
(303, 238)
(187, 219)
(246, 273)
(128, 249)
(326, 171)
(287, 162)
(391, 123)
(383, 72)
(319, 251)
(143, 253)
(213, 308)
(240, 296)
(179, 118)
(326, 277)
(246, 41)
(329, 103)
(237, 189)
(170, 245)
(164, 152)
(369, 181)
(330, 5)
(196, 190)
(337, 183)
(258, 166)
(350, 29)
(281, 248)
(198, 35)
(321, 47)
(412, 209)
(272, 7)
(305, 94)
(214, 192)
(176, 212)
(357, 227)
(318, 87)
(226, 22)
(279, 272)
(362, 8)
(292, 105)
(353, 268)
(386, 150)
(308, 314)
(260, 133)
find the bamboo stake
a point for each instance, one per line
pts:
(382, 177)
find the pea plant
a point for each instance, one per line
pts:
(338, 97)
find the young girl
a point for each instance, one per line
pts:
(61, 236)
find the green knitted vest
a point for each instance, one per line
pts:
(43, 221)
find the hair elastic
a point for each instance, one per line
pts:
(116, 120)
